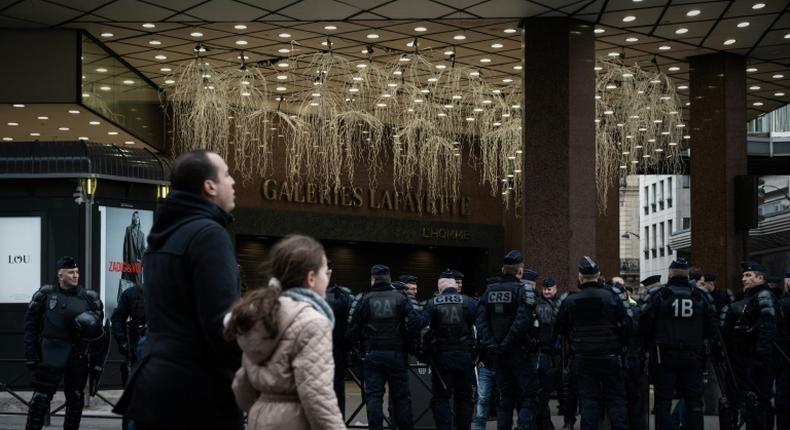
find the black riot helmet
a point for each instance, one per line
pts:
(87, 326)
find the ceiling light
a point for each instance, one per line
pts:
(599, 31)
(101, 70)
(674, 69)
(754, 87)
(517, 67)
(165, 69)
(459, 37)
(160, 57)
(681, 30)
(284, 35)
(497, 45)
(63, 128)
(787, 36)
(35, 134)
(281, 88)
(372, 36)
(743, 24)
(74, 111)
(154, 42)
(474, 73)
(240, 27)
(112, 133)
(128, 82)
(613, 54)
(751, 70)
(664, 48)
(758, 6)
(241, 42)
(757, 103)
(170, 82)
(729, 41)
(420, 29)
(441, 66)
(632, 39)
(510, 30)
(285, 50)
(330, 27)
(507, 80)
(94, 123)
(779, 94)
(485, 60)
(683, 87)
(282, 64)
(43, 118)
(108, 34)
(778, 76)
(129, 142)
(196, 34)
(693, 12)
(105, 88)
(18, 105)
(149, 25)
(629, 18)
(13, 124)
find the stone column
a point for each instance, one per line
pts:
(559, 146)
(718, 154)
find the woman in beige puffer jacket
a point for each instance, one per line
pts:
(286, 377)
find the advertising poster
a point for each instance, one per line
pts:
(123, 241)
(20, 258)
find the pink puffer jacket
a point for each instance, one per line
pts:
(285, 380)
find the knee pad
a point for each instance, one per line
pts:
(75, 399)
(39, 408)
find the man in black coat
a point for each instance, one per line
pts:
(183, 380)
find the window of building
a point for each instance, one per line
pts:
(662, 239)
(686, 223)
(686, 181)
(653, 197)
(661, 195)
(647, 200)
(668, 193)
(653, 249)
(646, 235)
(669, 227)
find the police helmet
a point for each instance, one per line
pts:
(87, 326)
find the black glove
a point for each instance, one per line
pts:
(123, 349)
(94, 375)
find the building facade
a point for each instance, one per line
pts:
(664, 208)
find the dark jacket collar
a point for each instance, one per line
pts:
(381, 286)
(178, 209)
(679, 281)
(508, 278)
(593, 284)
(450, 290)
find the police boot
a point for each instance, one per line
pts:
(37, 414)
(74, 403)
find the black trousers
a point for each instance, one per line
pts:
(45, 384)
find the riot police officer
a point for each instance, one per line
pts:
(62, 323)
(751, 327)
(675, 322)
(596, 321)
(450, 349)
(339, 299)
(386, 324)
(545, 342)
(782, 403)
(505, 314)
(128, 327)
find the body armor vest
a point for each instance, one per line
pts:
(452, 331)
(136, 325)
(340, 302)
(546, 312)
(747, 315)
(384, 329)
(60, 309)
(594, 328)
(680, 320)
(502, 305)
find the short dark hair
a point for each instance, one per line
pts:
(190, 171)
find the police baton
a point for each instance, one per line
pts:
(435, 370)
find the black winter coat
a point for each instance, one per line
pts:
(192, 279)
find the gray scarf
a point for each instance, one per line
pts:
(301, 294)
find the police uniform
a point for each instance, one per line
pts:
(505, 314)
(451, 317)
(595, 320)
(751, 327)
(128, 327)
(339, 299)
(782, 402)
(545, 348)
(61, 326)
(675, 322)
(386, 324)
(485, 378)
